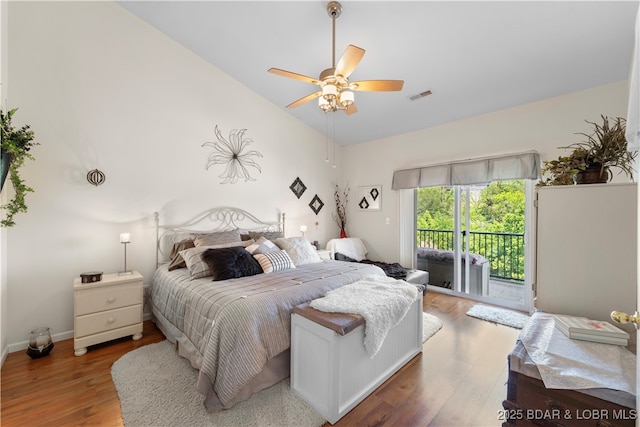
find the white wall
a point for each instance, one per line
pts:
(542, 126)
(3, 241)
(101, 89)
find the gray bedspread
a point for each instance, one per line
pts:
(238, 325)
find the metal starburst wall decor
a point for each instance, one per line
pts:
(234, 154)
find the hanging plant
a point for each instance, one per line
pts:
(15, 147)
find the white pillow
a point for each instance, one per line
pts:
(349, 246)
(299, 249)
(274, 261)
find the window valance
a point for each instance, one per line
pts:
(467, 172)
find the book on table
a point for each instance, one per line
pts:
(585, 329)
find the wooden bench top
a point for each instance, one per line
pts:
(341, 323)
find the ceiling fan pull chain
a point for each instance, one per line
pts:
(327, 133)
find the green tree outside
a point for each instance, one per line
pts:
(495, 208)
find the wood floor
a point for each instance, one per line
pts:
(458, 380)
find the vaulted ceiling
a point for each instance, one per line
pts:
(475, 57)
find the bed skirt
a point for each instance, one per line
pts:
(276, 369)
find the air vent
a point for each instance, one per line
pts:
(421, 95)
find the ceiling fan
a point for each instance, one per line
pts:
(336, 92)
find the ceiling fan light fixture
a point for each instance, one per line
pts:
(336, 92)
(346, 98)
(329, 92)
(324, 104)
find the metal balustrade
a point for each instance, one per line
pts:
(505, 251)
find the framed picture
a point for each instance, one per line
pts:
(369, 198)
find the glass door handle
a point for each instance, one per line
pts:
(622, 317)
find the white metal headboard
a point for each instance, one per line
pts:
(216, 219)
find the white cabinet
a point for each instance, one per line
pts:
(106, 310)
(586, 249)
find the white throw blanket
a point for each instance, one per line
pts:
(381, 300)
(352, 247)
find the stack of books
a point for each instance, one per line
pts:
(581, 328)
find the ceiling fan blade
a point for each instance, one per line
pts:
(349, 60)
(304, 99)
(291, 75)
(351, 109)
(378, 85)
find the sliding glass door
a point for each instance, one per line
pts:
(471, 240)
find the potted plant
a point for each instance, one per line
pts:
(591, 160)
(15, 147)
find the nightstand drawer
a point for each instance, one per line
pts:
(107, 320)
(107, 298)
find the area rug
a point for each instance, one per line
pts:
(156, 388)
(430, 325)
(499, 315)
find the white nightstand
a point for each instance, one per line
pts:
(324, 254)
(106, 310)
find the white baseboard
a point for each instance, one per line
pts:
(22, 345)
(5, 353)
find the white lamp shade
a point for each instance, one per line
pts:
(329, 92)
(125, 237)
(303, 228)
(346, 98)
(324, 104)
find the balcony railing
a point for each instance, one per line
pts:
(505, 251)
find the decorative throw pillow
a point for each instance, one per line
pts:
(217, 238)
(299, 249)
(271, 235)
(274, 261)
(176, 259)
(262, 246)
(231, 263)
(197, 266)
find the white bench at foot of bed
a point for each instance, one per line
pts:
(330, 368)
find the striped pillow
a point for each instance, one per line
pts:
(274, 261)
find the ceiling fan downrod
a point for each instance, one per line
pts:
(334, 9)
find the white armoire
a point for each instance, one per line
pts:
(586, 249)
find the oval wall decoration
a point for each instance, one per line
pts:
(96, 177)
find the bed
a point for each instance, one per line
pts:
(236, 331)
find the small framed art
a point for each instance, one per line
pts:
(370, 198)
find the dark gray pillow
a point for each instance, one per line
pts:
(270, 235)
(231, 263)
(217, 238)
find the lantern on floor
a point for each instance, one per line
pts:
(40, 342)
